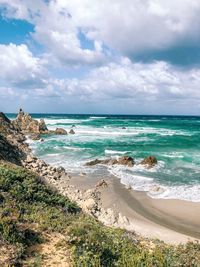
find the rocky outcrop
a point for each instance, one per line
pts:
(12, 145)
(125, 160)
(90, 202)
(149, 162)
(60, 131)
(13, 148)
(25, 123)
(42, 169)
(9, 152)
(42, 126)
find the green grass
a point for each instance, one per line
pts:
(95, 245)
(28, 209)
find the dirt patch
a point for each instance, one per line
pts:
(50, 253)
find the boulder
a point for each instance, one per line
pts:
(72, 131)
(60, 169)
(60, 131)
(102, 184)
(42, 126)
(32, 127)
(125, 160)
(35, 137)
(149, 162)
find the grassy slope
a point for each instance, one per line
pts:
(30, 211)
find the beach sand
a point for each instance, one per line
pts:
(173, 221)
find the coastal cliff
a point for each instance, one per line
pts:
(41, 225)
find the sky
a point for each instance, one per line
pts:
(100, 56)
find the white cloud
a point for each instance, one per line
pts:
(6, 92)
(56, 30)
(132, 26)
(128, 26)
(136, 81)
(20, 68)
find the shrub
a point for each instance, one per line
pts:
(25, 186)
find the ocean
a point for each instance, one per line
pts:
(174, 140)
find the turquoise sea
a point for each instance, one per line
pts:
(174, 140)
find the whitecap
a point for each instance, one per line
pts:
(114, 152)
(156, 190)
(96, 117)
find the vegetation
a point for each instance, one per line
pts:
(29, 210)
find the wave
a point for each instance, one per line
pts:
(63, 121)
(130, 131)
(97, 118)
(115, 152)
(174, 155)
(109, 133)
(156, 190)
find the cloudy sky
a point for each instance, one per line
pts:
(100, 56)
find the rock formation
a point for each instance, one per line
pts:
(72, 131)
(60, 131)
(13, 147)
(25, 123)
(149, 162)
(125, 160)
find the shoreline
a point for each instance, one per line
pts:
(173, 221)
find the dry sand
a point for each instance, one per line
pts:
(173, 221)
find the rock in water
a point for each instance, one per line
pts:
(60, 131)
(72, 131)
(42, 126)
(150, 161)
(93, 162)
(127, 161)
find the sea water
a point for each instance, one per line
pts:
(174, 140)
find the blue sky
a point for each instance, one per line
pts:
(92, 56)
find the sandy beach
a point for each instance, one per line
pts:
(173, 221)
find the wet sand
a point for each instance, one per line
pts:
(173, 221)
